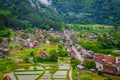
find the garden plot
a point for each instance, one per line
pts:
(31, 68)
(64, 67)
(60, 79)
(29, 72)
(56, 73)
(21, 69)
(60, 75)
(27, 77)
(37, 68)
(46, 76)
(47, 68)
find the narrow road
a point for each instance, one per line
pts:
(74, 48)
(70, 74)
(77, 54)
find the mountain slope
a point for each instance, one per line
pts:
(29, 13)
(89, 11)
(48, 14)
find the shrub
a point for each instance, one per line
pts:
(100, 73)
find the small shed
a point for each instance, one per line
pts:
(80, 67)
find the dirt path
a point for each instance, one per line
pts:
(70, 73)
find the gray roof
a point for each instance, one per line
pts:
(80, 67)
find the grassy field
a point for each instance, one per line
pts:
(90, 28)
(12, 44)
(90, 25)
(92, 76)
(86, 75)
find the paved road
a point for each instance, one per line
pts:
(74, 48)
(77, 54)
(70, 74)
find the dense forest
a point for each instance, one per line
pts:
(20, 14)
(90, 11)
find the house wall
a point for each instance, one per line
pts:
(99, 66)
(118, 68)
(117, 60)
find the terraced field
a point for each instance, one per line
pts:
(43, 72)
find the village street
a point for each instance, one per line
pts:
(75, 50)
(78, 56)
(77, 53)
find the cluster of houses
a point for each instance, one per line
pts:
(24, 40)
(5, 49)
(33, 40)
(29, 42)
(105, 63)
(93, 37)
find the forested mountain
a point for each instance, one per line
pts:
(20, 14)
(90, 11)
(47, 14)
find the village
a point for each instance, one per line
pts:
(105, 63)
(49, 46)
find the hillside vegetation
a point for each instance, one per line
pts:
(20, 14)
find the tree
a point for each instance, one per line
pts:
(32, 54)
(63, 53)
(57, 40)
(74, 62)
(117, 37)
(100, 73)
(108, 11)
(51, 38)
(29, 30)
(89, 64)
(106, 43)
(60, 46)
(23, 36)
(4, 17)
(26, 60)
(53, 55)
(95, 46)
(5, 33)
